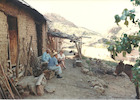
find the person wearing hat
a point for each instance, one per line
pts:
(53, 65)
(46, 56)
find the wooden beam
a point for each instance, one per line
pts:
(40, 79)
(28, 55)
(17, 62)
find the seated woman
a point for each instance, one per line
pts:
(61, 59)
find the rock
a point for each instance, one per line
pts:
(19, 87)
(49, 89)
(21, 92)
(25, 81)
(90, 73)
(98, 82)
(26, 93)
(99, 89)
(32, 89)
(84, 64)
(40, 90)
(85, 70)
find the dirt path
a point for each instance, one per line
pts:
(75, 85)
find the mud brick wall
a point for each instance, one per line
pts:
(26, 29)
(3, 38)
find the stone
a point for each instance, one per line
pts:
(21, 91)
(49, 89)
(96, 83)
(26, 81)
(99, 89)
(32, 89)
(90, 73)
(99, 82)
(26, 93)
(85, 70)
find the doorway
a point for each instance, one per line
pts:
(13, 37)
(39, 38)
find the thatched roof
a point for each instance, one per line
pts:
(57, 33)
(25, 6)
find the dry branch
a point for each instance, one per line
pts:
(6, 82)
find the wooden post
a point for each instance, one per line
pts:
(27, 67)
(17, 62)
(15, 89)
(78, 50)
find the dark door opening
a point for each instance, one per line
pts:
(39, 38)
(13, 36)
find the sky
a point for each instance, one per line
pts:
(96, 15)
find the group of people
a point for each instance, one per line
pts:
(56, 62)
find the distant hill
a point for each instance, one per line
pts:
(117, 31)
(58, 22)
(57, 18)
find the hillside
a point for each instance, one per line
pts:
(58, 22)
(117, 31)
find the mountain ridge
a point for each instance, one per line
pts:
(65, 26)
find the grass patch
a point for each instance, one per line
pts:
(84, 58)
(110, 63)
(88, 62)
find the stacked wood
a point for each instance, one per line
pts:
(49, 74)
(40, 90)
(9, 85)
(40, 78)
(6, 83)
(2, 93)
(39, 85)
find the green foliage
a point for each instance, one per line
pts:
(125, 14)
(117, 19)
(137, 2)
(83, 57)
(88, 62)
(127, 42)
(136, 72)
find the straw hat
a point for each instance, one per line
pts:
(55, 53)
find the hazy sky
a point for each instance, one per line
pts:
(96, 15)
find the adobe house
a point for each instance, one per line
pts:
(18, 23)
(55, 39)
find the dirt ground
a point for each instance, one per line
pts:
(75, 84)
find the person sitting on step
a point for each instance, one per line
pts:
(46, 56)
(53, 65)
(61, 59)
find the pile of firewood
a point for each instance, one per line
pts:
(7, 87)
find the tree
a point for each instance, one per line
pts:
(127, 42)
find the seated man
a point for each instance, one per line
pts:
(61, 59)
(46, 56)
(45, 59)
(53, 65)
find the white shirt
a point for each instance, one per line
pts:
(61, 57)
